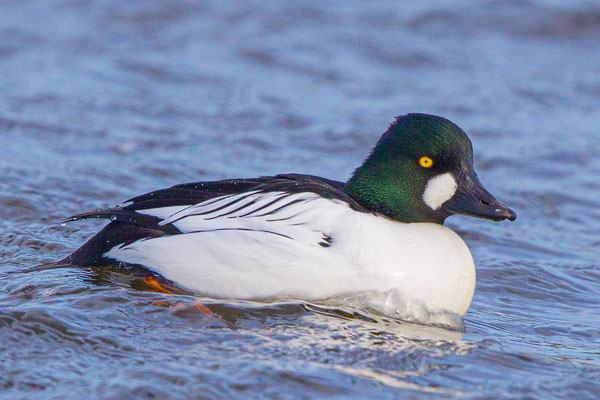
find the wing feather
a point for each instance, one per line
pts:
(298, 207)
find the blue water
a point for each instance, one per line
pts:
(100, 101)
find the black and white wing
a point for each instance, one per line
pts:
(292, 207)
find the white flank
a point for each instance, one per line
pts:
(236, 251)
(439, 189)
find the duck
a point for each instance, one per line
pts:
(379, 235)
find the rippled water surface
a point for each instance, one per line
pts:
(100, 101)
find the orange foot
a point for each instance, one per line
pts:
(152, 283)
(155, 286)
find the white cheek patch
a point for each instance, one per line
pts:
(439, 189)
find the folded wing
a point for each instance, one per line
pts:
(297, 208)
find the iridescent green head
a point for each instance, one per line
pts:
(421, 170)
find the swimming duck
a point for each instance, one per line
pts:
(305, 237)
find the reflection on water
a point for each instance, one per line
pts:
(104, 100)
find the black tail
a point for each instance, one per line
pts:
(114, 234)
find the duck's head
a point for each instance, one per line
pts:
(421, 170)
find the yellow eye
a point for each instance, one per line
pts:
(425, 162)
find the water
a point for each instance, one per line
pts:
(100, 101)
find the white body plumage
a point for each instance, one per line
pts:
(265, 245)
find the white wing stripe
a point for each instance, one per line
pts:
(263, 207)
(208, 207)
(241, 206)
(305, 217)
(256, 200)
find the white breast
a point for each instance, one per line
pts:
(302, 246)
